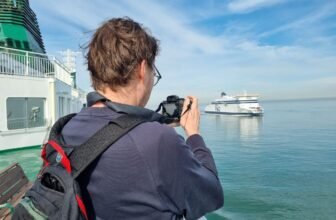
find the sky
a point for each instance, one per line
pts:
(279, 49)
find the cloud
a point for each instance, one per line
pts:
(196, 61)
(245, 6)
(170, 25)
(322, 12)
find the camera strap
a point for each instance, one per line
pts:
(188, 108)
(144, 113)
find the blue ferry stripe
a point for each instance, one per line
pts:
(233, 102)
(233, 113)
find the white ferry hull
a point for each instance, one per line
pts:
(232, 110)
(23, 139)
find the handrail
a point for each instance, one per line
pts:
(26, 63)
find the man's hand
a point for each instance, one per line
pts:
(191, 119)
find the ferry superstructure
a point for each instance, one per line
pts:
(245, 104)
(36, 89)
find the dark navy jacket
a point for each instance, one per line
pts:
(150, 173)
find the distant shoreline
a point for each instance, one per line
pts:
(287, 100)
(297, 99)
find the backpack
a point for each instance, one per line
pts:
(55, 193)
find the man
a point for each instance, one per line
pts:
(151, 172)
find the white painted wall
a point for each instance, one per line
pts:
(16, 86)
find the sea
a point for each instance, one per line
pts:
(278, 166)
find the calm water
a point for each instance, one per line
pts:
(279, 166)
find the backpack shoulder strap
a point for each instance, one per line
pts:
(54, 134)
(85, 154)
(56, 129)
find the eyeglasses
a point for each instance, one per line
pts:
(157, 75)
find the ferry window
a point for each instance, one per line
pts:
(35, 113)
(16, 113)
(9, 42)
(26, 45)
(25, 113)
(69, 106)
(60, 106)
(18, 44)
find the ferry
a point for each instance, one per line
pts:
(245, 104)
(36, 89)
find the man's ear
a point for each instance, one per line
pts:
(142, 70)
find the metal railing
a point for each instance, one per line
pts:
(25, 63)
(24, 123)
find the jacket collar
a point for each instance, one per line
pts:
(148, 114)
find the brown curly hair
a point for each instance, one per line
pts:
(116, 49)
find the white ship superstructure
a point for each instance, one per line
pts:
(35, 91)
(245, 104)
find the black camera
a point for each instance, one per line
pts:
(171, 109)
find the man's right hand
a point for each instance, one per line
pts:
(191, 119)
